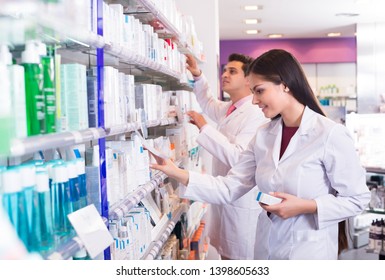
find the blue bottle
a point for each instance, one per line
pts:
(81, 169)
(28, 182)
(73, 182)
(42, 233)
(61, 200)
(49, 165)
(14, 203)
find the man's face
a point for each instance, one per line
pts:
(233, 77)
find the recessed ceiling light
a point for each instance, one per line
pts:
(275, 35)
(251, 21)
(251, 8)
(252, 31)
(347, 15)
(334, 34)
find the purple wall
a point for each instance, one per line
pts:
(328, 50)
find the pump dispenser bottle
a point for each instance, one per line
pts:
(33, 89)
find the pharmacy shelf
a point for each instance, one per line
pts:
(34, 144)
(117, 211)
(47, 28)
(155, 246)
(127, 56)
(149, 13)
(169, 27)
(375, 211)
(69, 248)
(64, 33)
(173, 32)
(66, 250)
(375, 170)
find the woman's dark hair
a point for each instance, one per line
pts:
(281, 67)
(246, 60)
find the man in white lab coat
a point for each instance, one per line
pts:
(232, 227)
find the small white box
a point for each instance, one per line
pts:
(268, 199)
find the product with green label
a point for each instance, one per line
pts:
(33, 89)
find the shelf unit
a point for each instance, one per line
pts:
(65, 33)
(376, 170)
(161, 238)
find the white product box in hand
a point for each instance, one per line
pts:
(268, 199)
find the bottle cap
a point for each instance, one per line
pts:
(28, 175)
(60, 173)
(42, 183)
(71, 169)
(30, 54)
(11, 180)
(5, 55)
(81, 254)
(80, 166)
(50, 164)
(123, 232)
(41, 48)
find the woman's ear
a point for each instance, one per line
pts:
(285, 87)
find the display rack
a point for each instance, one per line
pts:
(134, 198)
(34, 144)
(164, 234)
(148, 12)
(65, 33)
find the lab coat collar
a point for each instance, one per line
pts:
(306, 125)
(240, 110)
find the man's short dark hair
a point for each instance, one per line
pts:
(245, 59)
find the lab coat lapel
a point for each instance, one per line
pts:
(276, 137)
(233, 115)
(297, 139)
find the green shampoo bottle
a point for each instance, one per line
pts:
(33, 75)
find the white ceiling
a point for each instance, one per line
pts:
(297, 18)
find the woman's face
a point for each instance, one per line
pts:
(271, 98)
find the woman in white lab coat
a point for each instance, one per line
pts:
(300, 156)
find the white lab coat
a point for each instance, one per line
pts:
(229, 227)
(319, 161)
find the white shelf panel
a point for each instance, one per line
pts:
(37, 143)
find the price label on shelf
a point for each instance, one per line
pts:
(91, 230)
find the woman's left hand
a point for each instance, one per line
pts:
(290, 206)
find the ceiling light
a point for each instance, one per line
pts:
(334, 34)
(252, 31)
(251, 21)
(347, 15)
(275, 35)
(251, 8)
